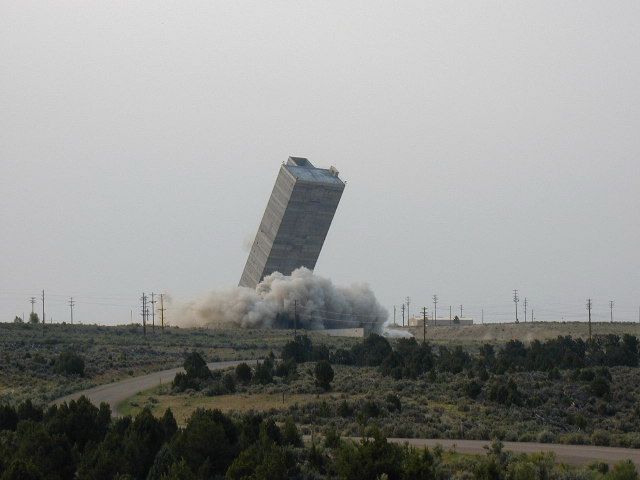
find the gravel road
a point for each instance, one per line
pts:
(570, 454)
(116, 392)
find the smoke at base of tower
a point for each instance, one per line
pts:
(302, 299)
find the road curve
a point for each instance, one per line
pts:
(117, 392)
(569, 454)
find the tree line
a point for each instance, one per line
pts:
(78, 440)
(410, 359)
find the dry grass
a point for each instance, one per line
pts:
(526, 332)
(159, 399)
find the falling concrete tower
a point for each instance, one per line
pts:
(296, 221)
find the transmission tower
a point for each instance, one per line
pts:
(516, 299)
(525, 309)
(408, 303)
(33, 302)
(424, 324)
(402, 314)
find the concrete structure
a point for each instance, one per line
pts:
(295, 222)
(343, 332)
(440, 322)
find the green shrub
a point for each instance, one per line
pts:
(599, 387)
(69, 363)
(195, 366)
(600, 437)
(624, 470)
(393, 403)
(344, 409)
(324, 374)
(263, 374)
(229, 383)
(331, 437)
(286, 368)
(243, 373)
(472, 389)
(505, 392)
(290, 434)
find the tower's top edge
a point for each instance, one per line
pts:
(302, 169)
(300, 162)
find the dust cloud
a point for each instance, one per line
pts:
(319, 305)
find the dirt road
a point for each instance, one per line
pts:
(570, 454)
(116, 392)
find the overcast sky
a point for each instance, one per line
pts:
(486, 146)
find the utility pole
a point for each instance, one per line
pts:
(424, 324)
(435, 310)
(525, 309)
(403, 315)
(589, 309)
(33, 301)
(460, 312)
(71, 304)
(162, 309)
(145, 312)
(516, 300)
(482, 317)
(42, 312)
(295, 318)
(532, 315)
(408, 302)
(450, 321)
(394, 315)
(153, 311)
(611, 309)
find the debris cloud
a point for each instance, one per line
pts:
(274, 302)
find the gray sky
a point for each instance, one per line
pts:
(486, 146)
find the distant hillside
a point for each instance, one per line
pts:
(526, 332)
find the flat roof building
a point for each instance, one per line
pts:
(296, 221)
